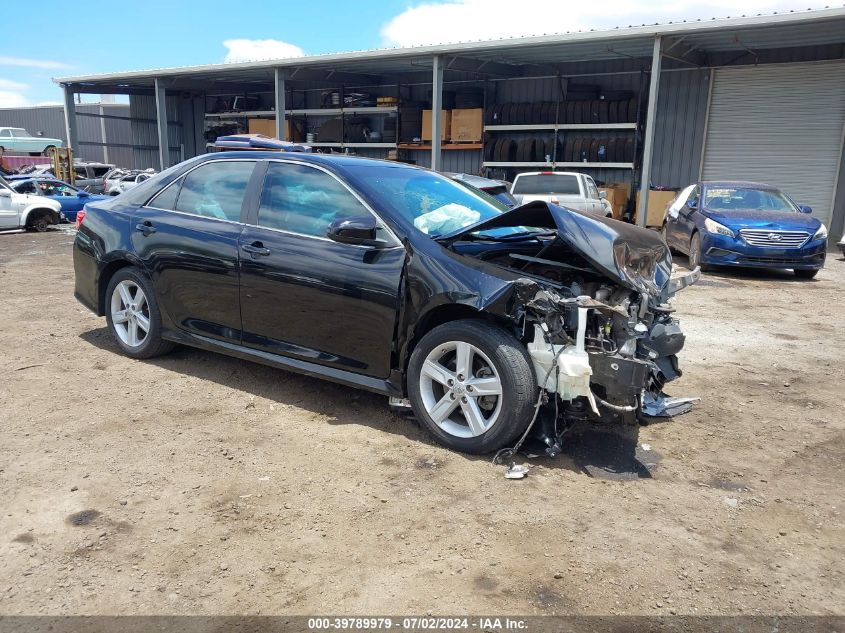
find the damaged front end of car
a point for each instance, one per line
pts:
(592, 305)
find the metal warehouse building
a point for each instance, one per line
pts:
(103, 131)
(751, 98)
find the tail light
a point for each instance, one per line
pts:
(80, 215)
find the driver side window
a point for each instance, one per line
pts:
(305, 200)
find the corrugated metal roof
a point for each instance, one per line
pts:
(793, 28)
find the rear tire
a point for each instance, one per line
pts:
(133, 316)
(806, 273)
(491, 400)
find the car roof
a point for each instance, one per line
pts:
(745, 184)
(339, 160)
(479, 182)
(26, 177)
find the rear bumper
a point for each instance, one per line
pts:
(721, 250)
(86, 274)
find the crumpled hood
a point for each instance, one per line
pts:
(633, 256)
(756, 219)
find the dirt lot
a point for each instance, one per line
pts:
(196, 483)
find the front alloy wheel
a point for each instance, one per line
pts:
(461, 389)
(695, 251)
(471, 384)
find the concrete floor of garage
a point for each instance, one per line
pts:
(196, 483)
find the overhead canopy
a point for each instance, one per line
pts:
(697, 42)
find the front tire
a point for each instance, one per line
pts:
(471, 384)
(39, 223)
(47, 149)
(806, 273)
(133, 316)
(695, 252)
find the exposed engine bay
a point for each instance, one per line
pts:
(592, 303)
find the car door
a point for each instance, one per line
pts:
(686, 220)
(594, 204)
(306, 296)
(673, 217)
(9, 213)
(187, 239)
(25, 142)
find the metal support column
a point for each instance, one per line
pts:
(70, 119)
(281, 108)
(651, 116)
(436, 111)
(103, 138)
(161, 122)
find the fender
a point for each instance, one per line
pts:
(42, 204)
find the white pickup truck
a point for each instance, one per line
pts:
(565, 188)
(25, 211)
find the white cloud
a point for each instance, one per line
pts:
(8, 84)
(10, 99)
(466, 20)
(32, 63)
(254, 50)
(12, 93)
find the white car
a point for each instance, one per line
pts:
(565, 188)
(26, 211)
(118, 183)
(17, 139)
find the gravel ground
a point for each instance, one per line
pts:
(199, 484)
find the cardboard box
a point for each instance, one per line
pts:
(617, 196)
(445, 126)
(657, 203)
(467, 125)
(267, 127)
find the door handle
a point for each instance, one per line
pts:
(146, 228)
(255, 248)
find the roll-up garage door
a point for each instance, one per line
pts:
(781, 125)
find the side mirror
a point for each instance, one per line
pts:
(361, 230)
(803, 208)
(692, 204)
(39, 133)
(82, 194)
(5, 193)
(603, 195)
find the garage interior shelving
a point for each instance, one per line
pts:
(306, 119)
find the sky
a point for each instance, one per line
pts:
(160, 34)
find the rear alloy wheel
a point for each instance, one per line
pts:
(471, 384)
(133, 316)
(806, 273)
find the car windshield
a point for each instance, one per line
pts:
(747, 198)
(434, 204)
(545, 184)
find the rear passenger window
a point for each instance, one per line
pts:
(216, 189)
(166, 199)
(304, 200)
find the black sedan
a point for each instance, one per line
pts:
(394, 279)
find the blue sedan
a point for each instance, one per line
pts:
(745, 224)
(71, 198)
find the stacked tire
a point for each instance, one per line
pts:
(586, 111)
